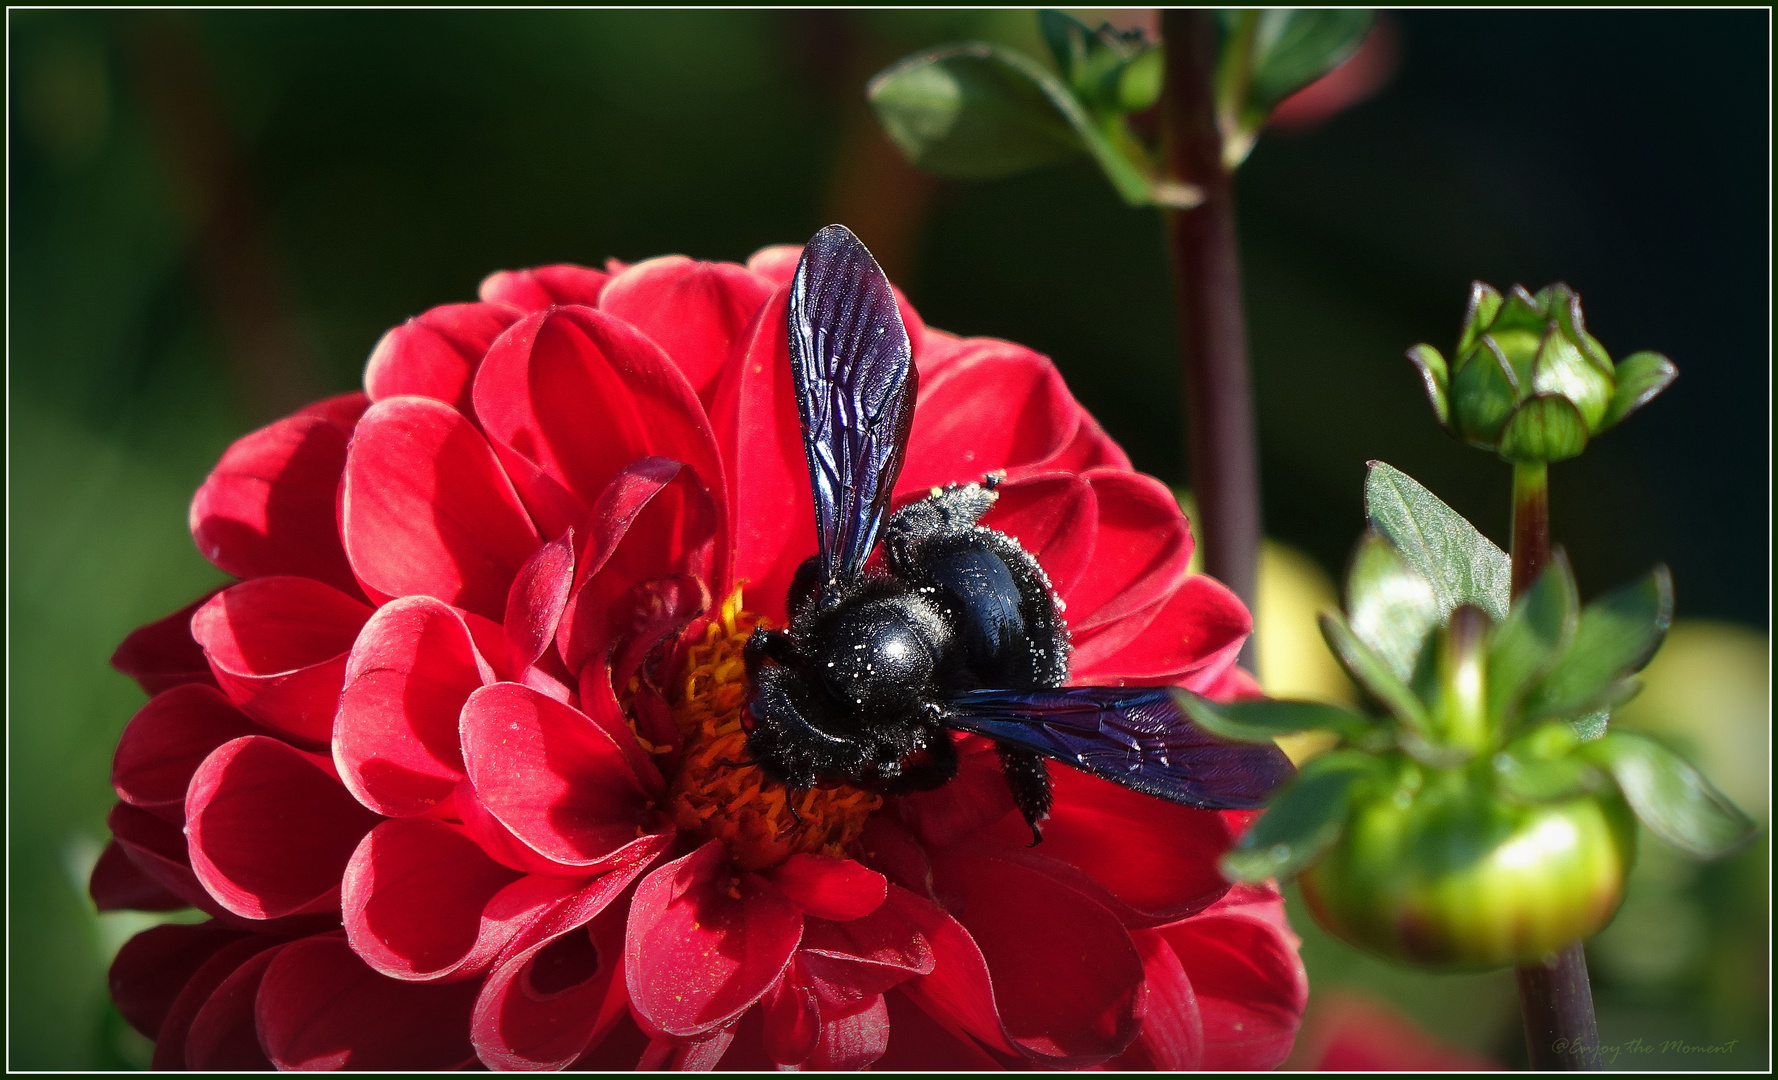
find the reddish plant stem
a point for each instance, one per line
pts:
(1212, 322)
(1555, 996)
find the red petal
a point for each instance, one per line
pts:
(544, 286)
(919, 1042)
(165, 742)
(791, 1020)
(552, 776)
(435, 354)
(1172, 1038)
(753, 412)
(118, 884)
(703, 944)
(1090, 448)
(1067, 980)
(696, 311)
(170, 1046)
(163, 654)
(395, 740)
(1140, 550)
(1192, 639)
(1233, 685)
(1053, 516)
(828, 887)
(580, 395)
(268, 505)
(412, 900)
(340, 410)
(534, 606)
(959, 991)
(1352, 1032)
(1000, 406)
(158, 849)
(224, 1034)
(854, 1041)
(848, 963)
(154, 966)
(975, 798)
(1251, 987)
(777, 263)
(320, 1007)
(427, 511)
(278, 648)
(1156, 859)
(655, 520)
(271, 829)
(556, 992)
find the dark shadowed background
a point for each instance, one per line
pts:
(213, 216)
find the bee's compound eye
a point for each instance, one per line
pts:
(874, 659)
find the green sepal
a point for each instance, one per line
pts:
(1639, 378)
(1671, 797)
(974, 111)
(1563, 305)
(1371, 672)
(1560, 369)
(1616, 637)
(1303, 820)
(1536, 633)
(1534, 781)
(1545, 428)
(1389, 605)
(1261, 721)
(1435, 374)
(1484, 304)
(1462, 565)
(1484, 393)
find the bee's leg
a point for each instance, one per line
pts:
(1028, 777)
(763, 645)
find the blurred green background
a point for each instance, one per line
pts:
(214, 215)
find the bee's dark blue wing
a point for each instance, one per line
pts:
(855, 384)
(1131, 735)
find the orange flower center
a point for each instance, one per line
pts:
(718, 792)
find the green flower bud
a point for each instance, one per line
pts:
(1528, 381)
(1442, 870)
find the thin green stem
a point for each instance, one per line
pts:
(1555, 995)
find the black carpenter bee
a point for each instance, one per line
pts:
(962, 632)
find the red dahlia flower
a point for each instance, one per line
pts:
(456, 766)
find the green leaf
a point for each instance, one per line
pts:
(1433, 372)
(1561, 369)
(975, 111)
(1535, 635)
(1262, 721)
(1672, 798)
(1389, 605)
(1615, 638)
(1292, 47)
(1484, 393)
(1303, 820)
(1546, 428)
(1484, 304)
(1375, 675)
(1639, 378)
(1460, 563)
